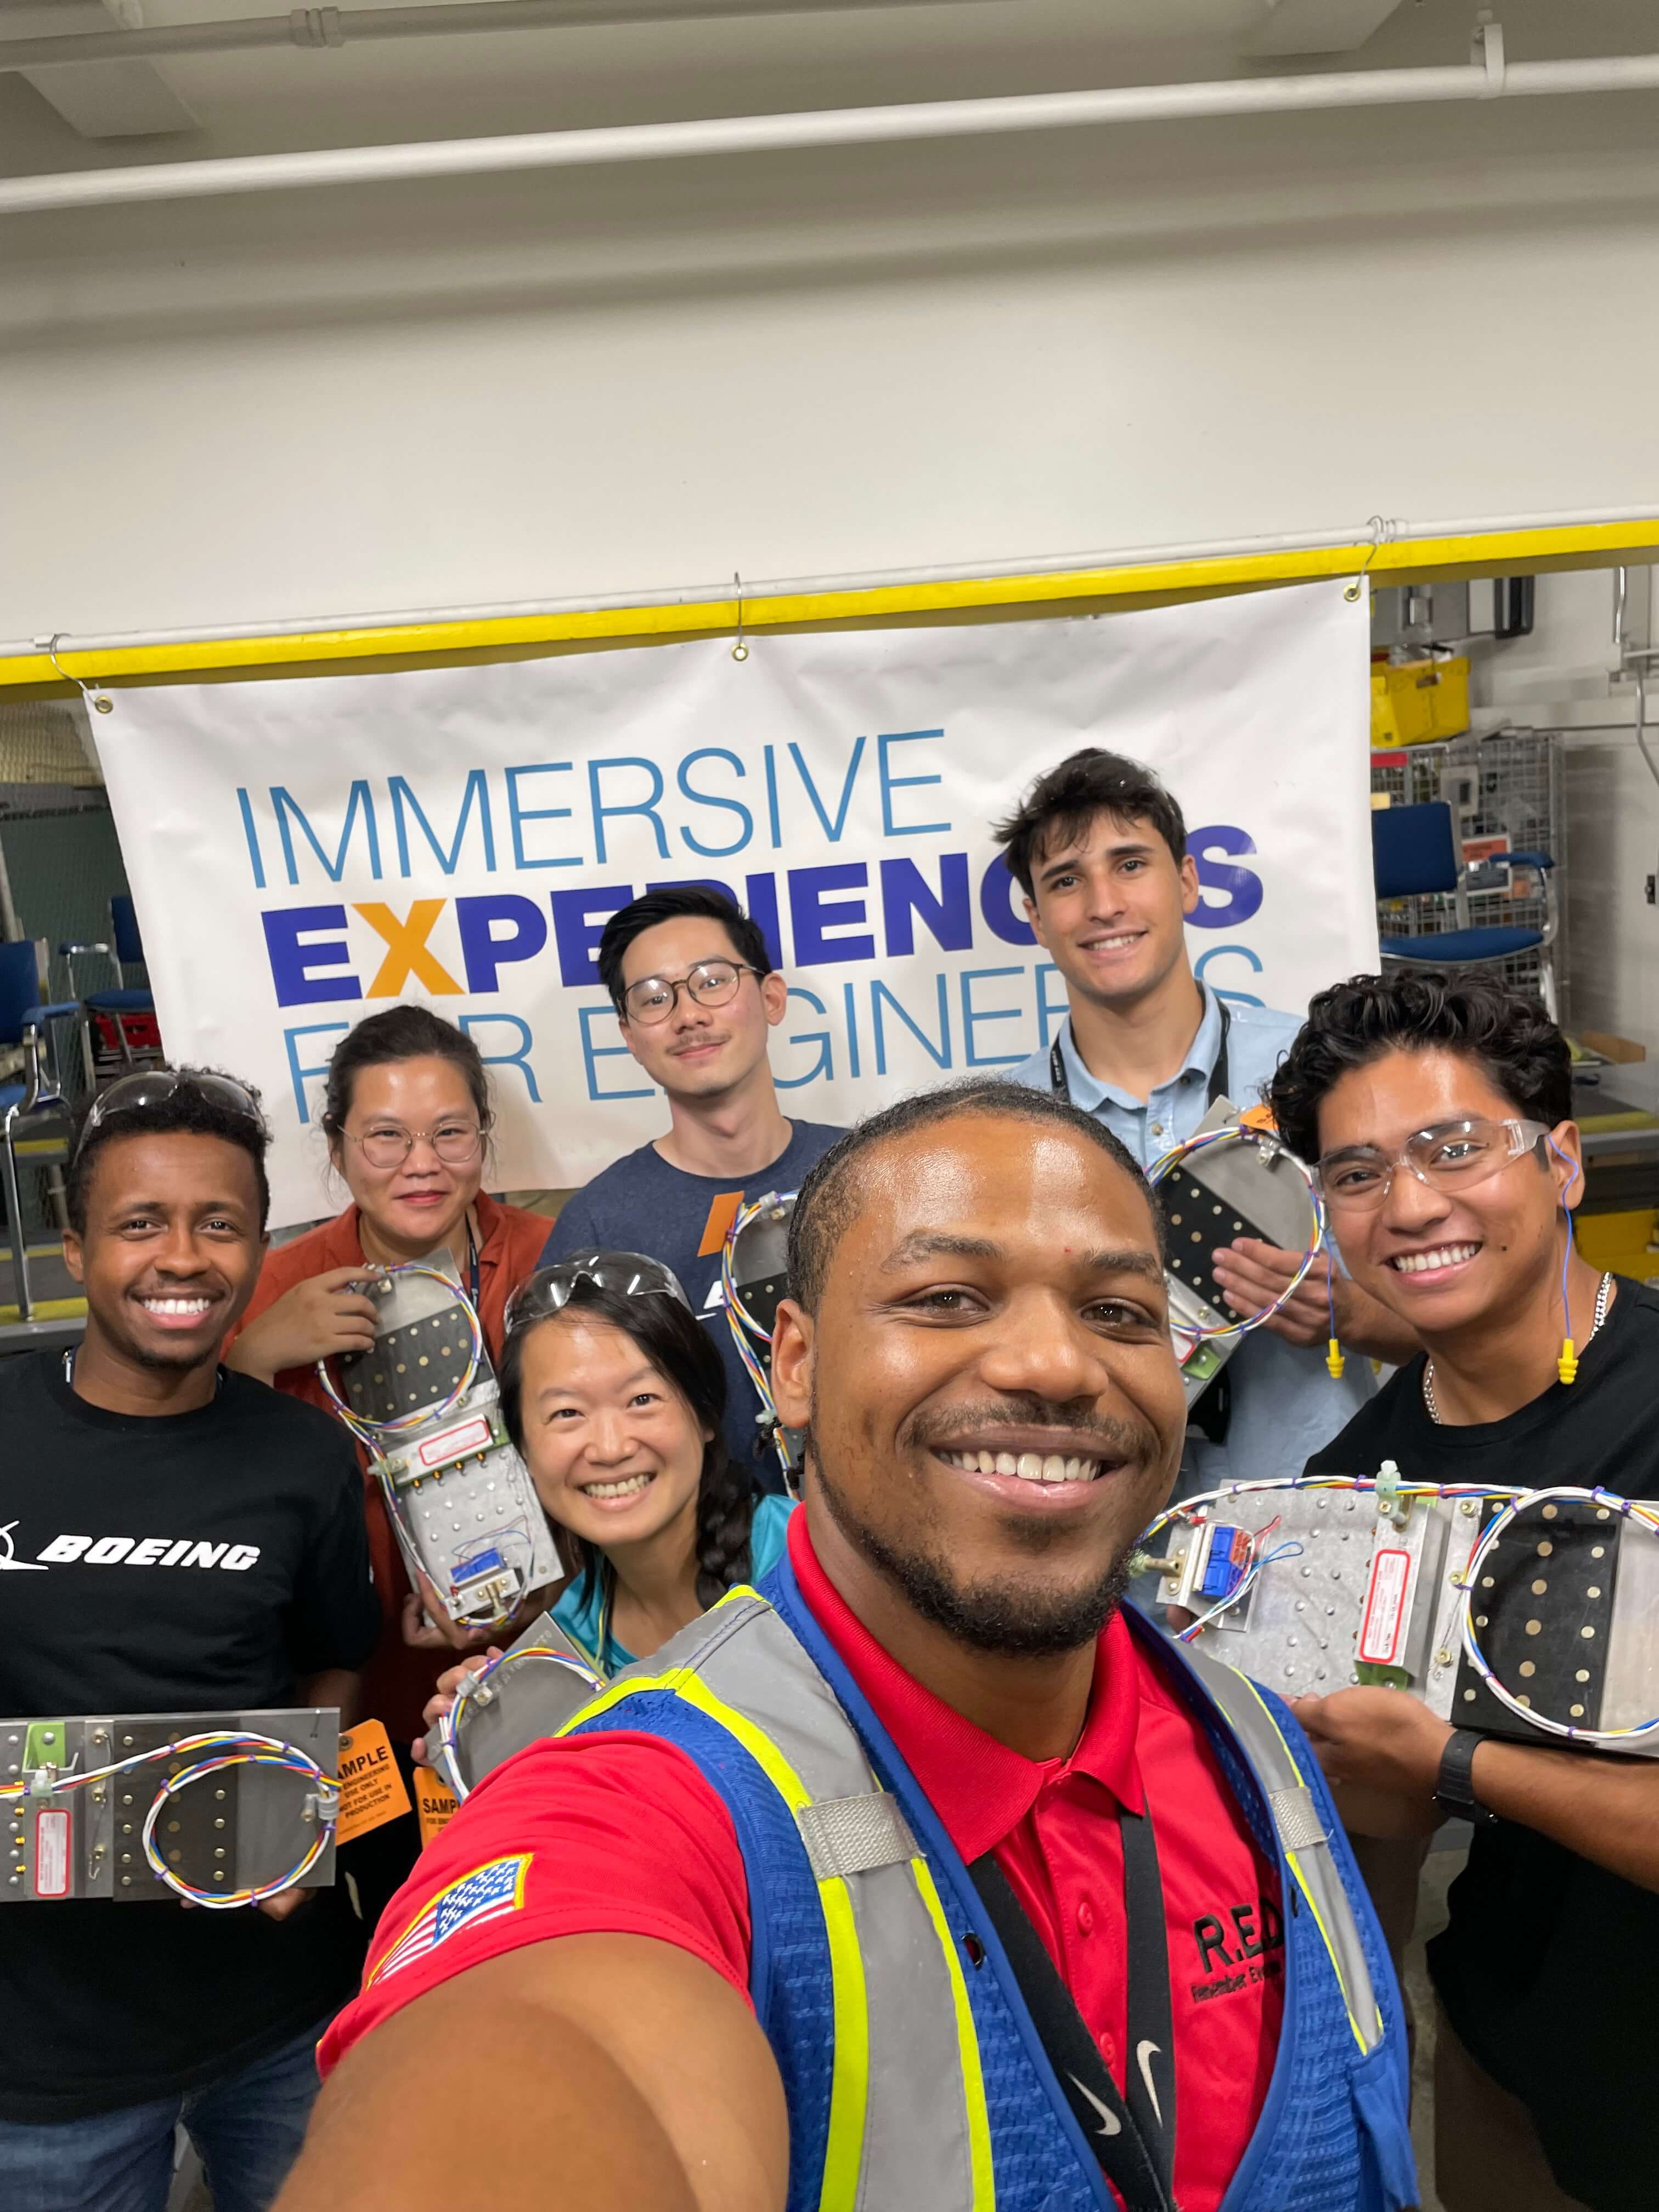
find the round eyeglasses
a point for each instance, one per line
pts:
(710, 983)
(388, 1144)
(550, 1290)
(1451, 1157)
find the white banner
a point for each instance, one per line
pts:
(304, 853)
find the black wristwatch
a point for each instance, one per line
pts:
(1454, 1789)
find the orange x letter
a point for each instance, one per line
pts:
(407, 954)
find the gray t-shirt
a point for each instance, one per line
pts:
(641, 1204)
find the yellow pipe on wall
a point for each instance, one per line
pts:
(1061, 592)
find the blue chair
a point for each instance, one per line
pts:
(118, 1002)
(26, 1020)
(1414, 853)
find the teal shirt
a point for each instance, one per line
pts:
(580, 1622)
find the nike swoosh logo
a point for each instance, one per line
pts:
(1109, 2122)
(1144, 2053)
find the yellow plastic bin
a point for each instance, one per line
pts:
(1418, 702)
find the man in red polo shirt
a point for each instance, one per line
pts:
(978, 1348)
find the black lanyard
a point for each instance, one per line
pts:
(1132, 2133)
(472, 1262)
(1059, 1083)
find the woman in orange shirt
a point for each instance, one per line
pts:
(407, 1116)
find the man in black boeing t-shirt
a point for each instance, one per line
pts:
(1440, 1117)
(172, 1537)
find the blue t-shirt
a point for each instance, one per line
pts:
(580, 1621)
(641, 1204)
(1286, 1405)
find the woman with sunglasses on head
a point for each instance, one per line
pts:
(406, 1112)
(613, 1394)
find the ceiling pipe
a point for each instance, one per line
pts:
(1487, 77)
(327, 29)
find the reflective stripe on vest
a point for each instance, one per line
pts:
(907, 2126)
(1302, 1833)
(901, 2005)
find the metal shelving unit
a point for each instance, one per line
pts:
(1508, 785)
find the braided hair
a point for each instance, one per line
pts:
(683, 1353)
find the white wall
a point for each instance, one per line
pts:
(568, 387)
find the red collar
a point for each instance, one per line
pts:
(979, 1788)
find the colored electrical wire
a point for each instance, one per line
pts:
(472, 1681)
(1512, 1499)
(372, 1434)
(1237, 1132)
(1607, 1502)
(369, 1432)
(1235, 1596)
(226, 1747)
(1193, 1509)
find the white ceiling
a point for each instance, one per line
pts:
(477, 84)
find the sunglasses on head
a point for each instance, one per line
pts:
(151, 1087)
(629, 1275)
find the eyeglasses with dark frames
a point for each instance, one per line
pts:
(709, 983)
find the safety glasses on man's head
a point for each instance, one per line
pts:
(150, 1087)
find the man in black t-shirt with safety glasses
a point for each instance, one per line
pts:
(1440, 1118)
(174, 1538)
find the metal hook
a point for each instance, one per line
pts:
(1382, 531)
(739, 651)
(99, 700)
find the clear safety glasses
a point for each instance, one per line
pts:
(710, 983)
(629, 1275)
(1453, 1155)
(150, 1087)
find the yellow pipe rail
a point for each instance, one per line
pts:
(1061, 592)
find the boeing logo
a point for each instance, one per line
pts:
(8, 1562)
(131, 1552)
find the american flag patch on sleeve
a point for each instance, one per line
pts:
(482, 1895)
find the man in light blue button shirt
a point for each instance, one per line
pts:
(1099, 847)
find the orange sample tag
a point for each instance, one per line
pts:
(722, 1213)
(372, 1791)
(435, 1801)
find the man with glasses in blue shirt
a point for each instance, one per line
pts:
(697, 998)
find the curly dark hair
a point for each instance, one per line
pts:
(1513, 1041)
(197, 1113)
(684, 1355)
(1064, 800)
(827, 1204)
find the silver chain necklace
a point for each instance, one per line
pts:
(1603, 1294)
